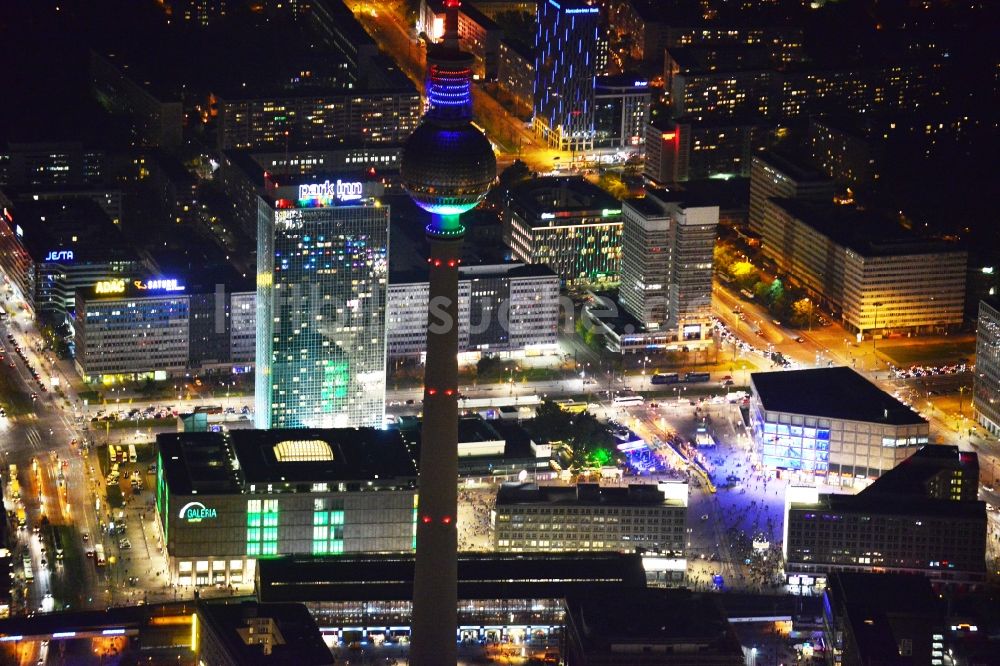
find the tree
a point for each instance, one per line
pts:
(762, 291)
(613, 185)
(488, 366)
(744, 273)
(777, 290)
(551, 422)
(801, 311)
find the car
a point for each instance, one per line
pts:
(704, 516)
(800, 339)
(728, 377)
(90, 553)
(776, 322)
(34, 396)
(728, 382)
(125, 544)
(86, 537)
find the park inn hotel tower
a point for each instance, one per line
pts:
(321, 292)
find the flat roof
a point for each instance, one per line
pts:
(300, 644)
(896, 505)
(605, 620)
(562, 198)
(794, 168)
(869, 233)
(834, 393)
(228, 462)
(74, 225)
(583, 494)
(911, 476)
(376, 577)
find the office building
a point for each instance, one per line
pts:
(588, 517)
(123, 331)
(516, 73)
(621, 111)
(923, 517)
(774, 175)
(479, 35)
(568, 224)
(321, 297)
(50, 248)
(879, 277)
(566, 68)
(502, 309)
(223, 327)
(832, 423)
(247, 632)
(690, 148)
(264, 493)
(666, 276)
(986, 384)
(160, 328)
(649, 628)
(884, 618)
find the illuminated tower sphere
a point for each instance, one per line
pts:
(447, 168)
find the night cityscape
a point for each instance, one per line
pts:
(522, 332)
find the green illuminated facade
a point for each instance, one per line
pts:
(225, 500)
(321, 294)
(567, 224)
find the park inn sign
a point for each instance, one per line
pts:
(195, 512)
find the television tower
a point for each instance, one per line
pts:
(447, 169)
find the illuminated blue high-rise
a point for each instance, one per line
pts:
(566, 47)
(321, 293)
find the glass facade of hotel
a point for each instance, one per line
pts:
(321, 298)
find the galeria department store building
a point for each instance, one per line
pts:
(225, 500)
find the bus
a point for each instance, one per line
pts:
(628, 400)
(132, 457)
(208, 409)
(99, 559)
(665, 378)
(572, 406)
(29, 575)
(22, 518)
(696, 377)
(112, 453)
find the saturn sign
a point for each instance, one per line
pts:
(195, 512)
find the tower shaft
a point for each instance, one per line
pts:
(435, 586)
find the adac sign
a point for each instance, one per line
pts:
(195, 512)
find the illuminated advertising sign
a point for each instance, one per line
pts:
(326, 190)
(158, 285)
(59, 255)
(110, 287)
(195, 512)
